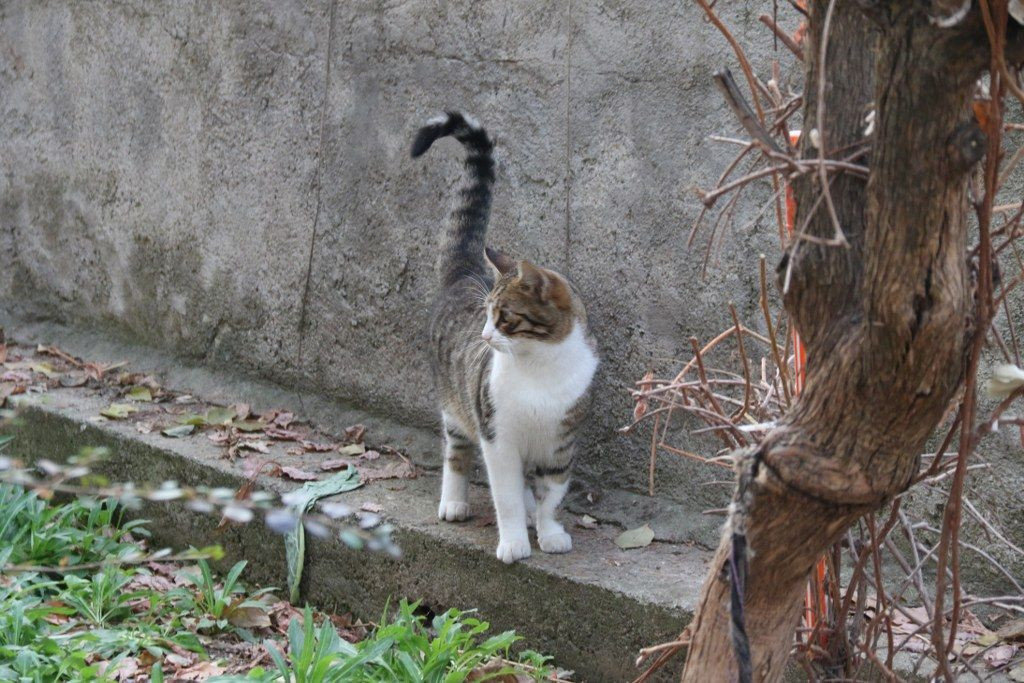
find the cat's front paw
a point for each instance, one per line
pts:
(510, 551)
(559, 542)
(453, 511)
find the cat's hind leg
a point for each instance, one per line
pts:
(530, 504)
(458, 459)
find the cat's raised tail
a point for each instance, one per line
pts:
(462, 252)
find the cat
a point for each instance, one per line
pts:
(513, 360)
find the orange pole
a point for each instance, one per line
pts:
(814, 609)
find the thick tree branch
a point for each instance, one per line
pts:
(885, 319)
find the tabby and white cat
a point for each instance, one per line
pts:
(513, 361)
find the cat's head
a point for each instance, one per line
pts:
(527, 305)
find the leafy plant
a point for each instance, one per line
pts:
(225, 604)
(406, 649)
(100, 599)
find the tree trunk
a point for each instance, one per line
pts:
(885, 319)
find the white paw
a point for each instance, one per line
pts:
(510, 551)
(453, 511)
(559, 542)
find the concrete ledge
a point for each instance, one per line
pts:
(593, 609)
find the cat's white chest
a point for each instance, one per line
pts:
(532, 394)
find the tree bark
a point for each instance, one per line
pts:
(885, 319)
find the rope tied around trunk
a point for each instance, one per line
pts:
(747, 464)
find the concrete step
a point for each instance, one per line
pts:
(592, 609)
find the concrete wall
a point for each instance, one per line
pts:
(231, 180)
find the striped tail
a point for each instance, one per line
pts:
(462, 252)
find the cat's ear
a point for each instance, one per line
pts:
(535, 280)
(499, 261)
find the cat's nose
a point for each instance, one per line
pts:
(486, 335)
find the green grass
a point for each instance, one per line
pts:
(447, 650)
(82, 603)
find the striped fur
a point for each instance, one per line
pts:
(512, 359)
(463, 247)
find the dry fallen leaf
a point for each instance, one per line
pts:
(118, 411)
(355, 433)
(586, 522)
(370, 507)
(258, 446)
(297, 474)
(200, 672)
(314, 447)
(336, 464)
(1000, 655)
(642, 402)
(248, 617)
(352, 449)
(151, 582)
(73, 379)
(635, 538)
(393, 470)
(281, 418)
(282, 434)
(1013, 631)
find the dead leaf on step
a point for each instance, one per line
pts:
(315, 447)
(242, 410)
(369, 455)
(393, 470)
(355, 433)
(144, 427)
(281, 418)
(249, 425)
(118, 411)
(256, 446)
(254, 468)
(282, 434)
(336, 464)
(139, 394)
(369, 506)
(220, 437)
(297, 474)
(219, 415)
(73, 379)
(178, 431)
(586, 522)
(294, 450)
(635, 538)
(352, 449)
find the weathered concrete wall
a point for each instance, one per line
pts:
(231, 180)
